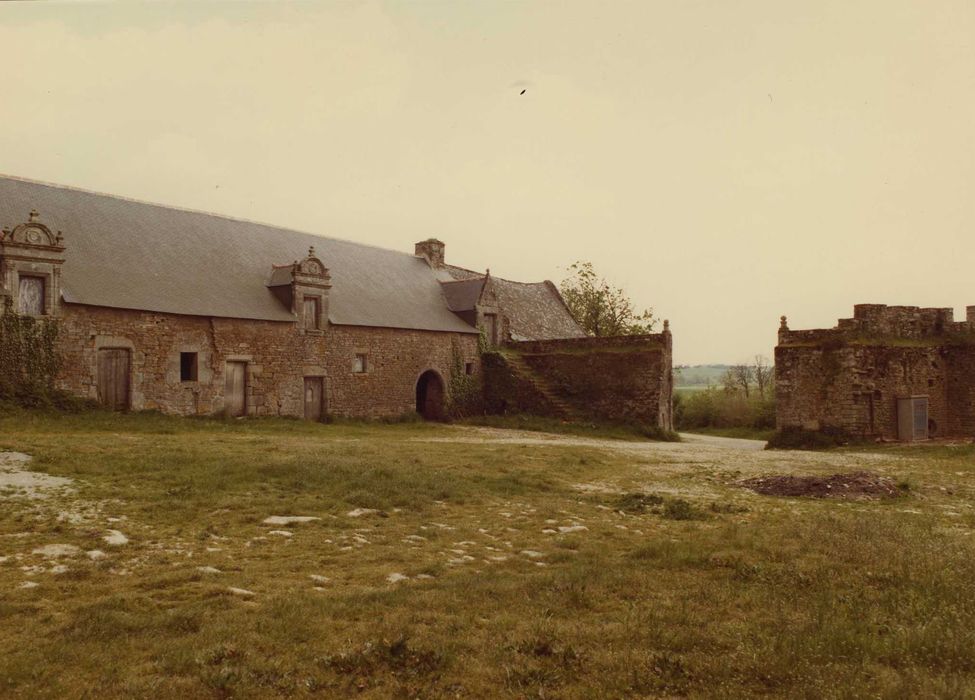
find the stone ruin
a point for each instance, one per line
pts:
(890, 372)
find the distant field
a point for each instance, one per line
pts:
(690, 389)
(159, 558)
(699, 377)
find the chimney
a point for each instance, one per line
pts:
(432, 250)
(970, 314)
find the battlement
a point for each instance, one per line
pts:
(884, 322)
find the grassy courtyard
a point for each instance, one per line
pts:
(448, 561)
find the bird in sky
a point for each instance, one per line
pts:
(523, 91)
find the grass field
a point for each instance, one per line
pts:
(468, 562)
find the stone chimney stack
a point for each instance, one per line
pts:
(432, 250)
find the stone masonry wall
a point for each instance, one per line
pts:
(855, 387)
(278, 358)
(851, 376)
(394, 362)
(625, 378)
(961, 390)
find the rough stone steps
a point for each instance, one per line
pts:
(524, 372)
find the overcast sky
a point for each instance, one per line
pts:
(724, 162)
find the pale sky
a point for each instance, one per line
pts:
(724, 162)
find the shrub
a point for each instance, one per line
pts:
(679, 509)
(719, 408)
(795, 438)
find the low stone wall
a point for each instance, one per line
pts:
(618, 379)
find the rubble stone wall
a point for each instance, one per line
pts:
(850, 377)
(617, 379)
(278, 355)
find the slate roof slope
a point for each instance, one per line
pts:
(462, 295)
(128, 254)
(535, 310)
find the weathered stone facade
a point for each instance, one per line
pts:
(278, 359)
(850, 377)
(618, 379)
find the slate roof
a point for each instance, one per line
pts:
(462, 295)
(128, 254)
(535, 310)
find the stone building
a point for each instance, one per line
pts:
(193, 313)
(890, 372)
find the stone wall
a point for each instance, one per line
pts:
(618, 379)
(395, 360)
(850, 377)
(961, 389)
(278, 355)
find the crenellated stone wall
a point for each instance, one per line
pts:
(850, 377)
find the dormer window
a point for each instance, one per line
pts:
(30, 296)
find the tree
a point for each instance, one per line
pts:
(739, 377)
(764, 374)
(598, 308)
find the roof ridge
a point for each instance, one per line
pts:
(202, 212)
(482, 275)
(469, 279)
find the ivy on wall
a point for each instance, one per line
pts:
(29, 361)
(466, 390)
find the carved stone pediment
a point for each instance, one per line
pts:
(32, 233)
(311, 266)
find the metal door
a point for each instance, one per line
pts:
(113, 378)
(235, 391)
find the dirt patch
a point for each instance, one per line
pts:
(860, 484)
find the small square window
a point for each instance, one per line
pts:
(188, 367)
(469, 368)
(361, 365)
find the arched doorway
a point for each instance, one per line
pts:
(429, 395)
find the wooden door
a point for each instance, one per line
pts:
(113, 378)
(235, 389)
(313, 398)
(491, 328)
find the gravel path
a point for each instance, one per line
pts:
(695, 452)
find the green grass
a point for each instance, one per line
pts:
(682, 585)
(615, 431)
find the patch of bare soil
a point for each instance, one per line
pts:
(854, 485)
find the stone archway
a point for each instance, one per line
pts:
(430, 395)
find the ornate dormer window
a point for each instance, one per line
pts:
(303, 286)
(31, 255)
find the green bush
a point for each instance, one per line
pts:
(719, 408)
